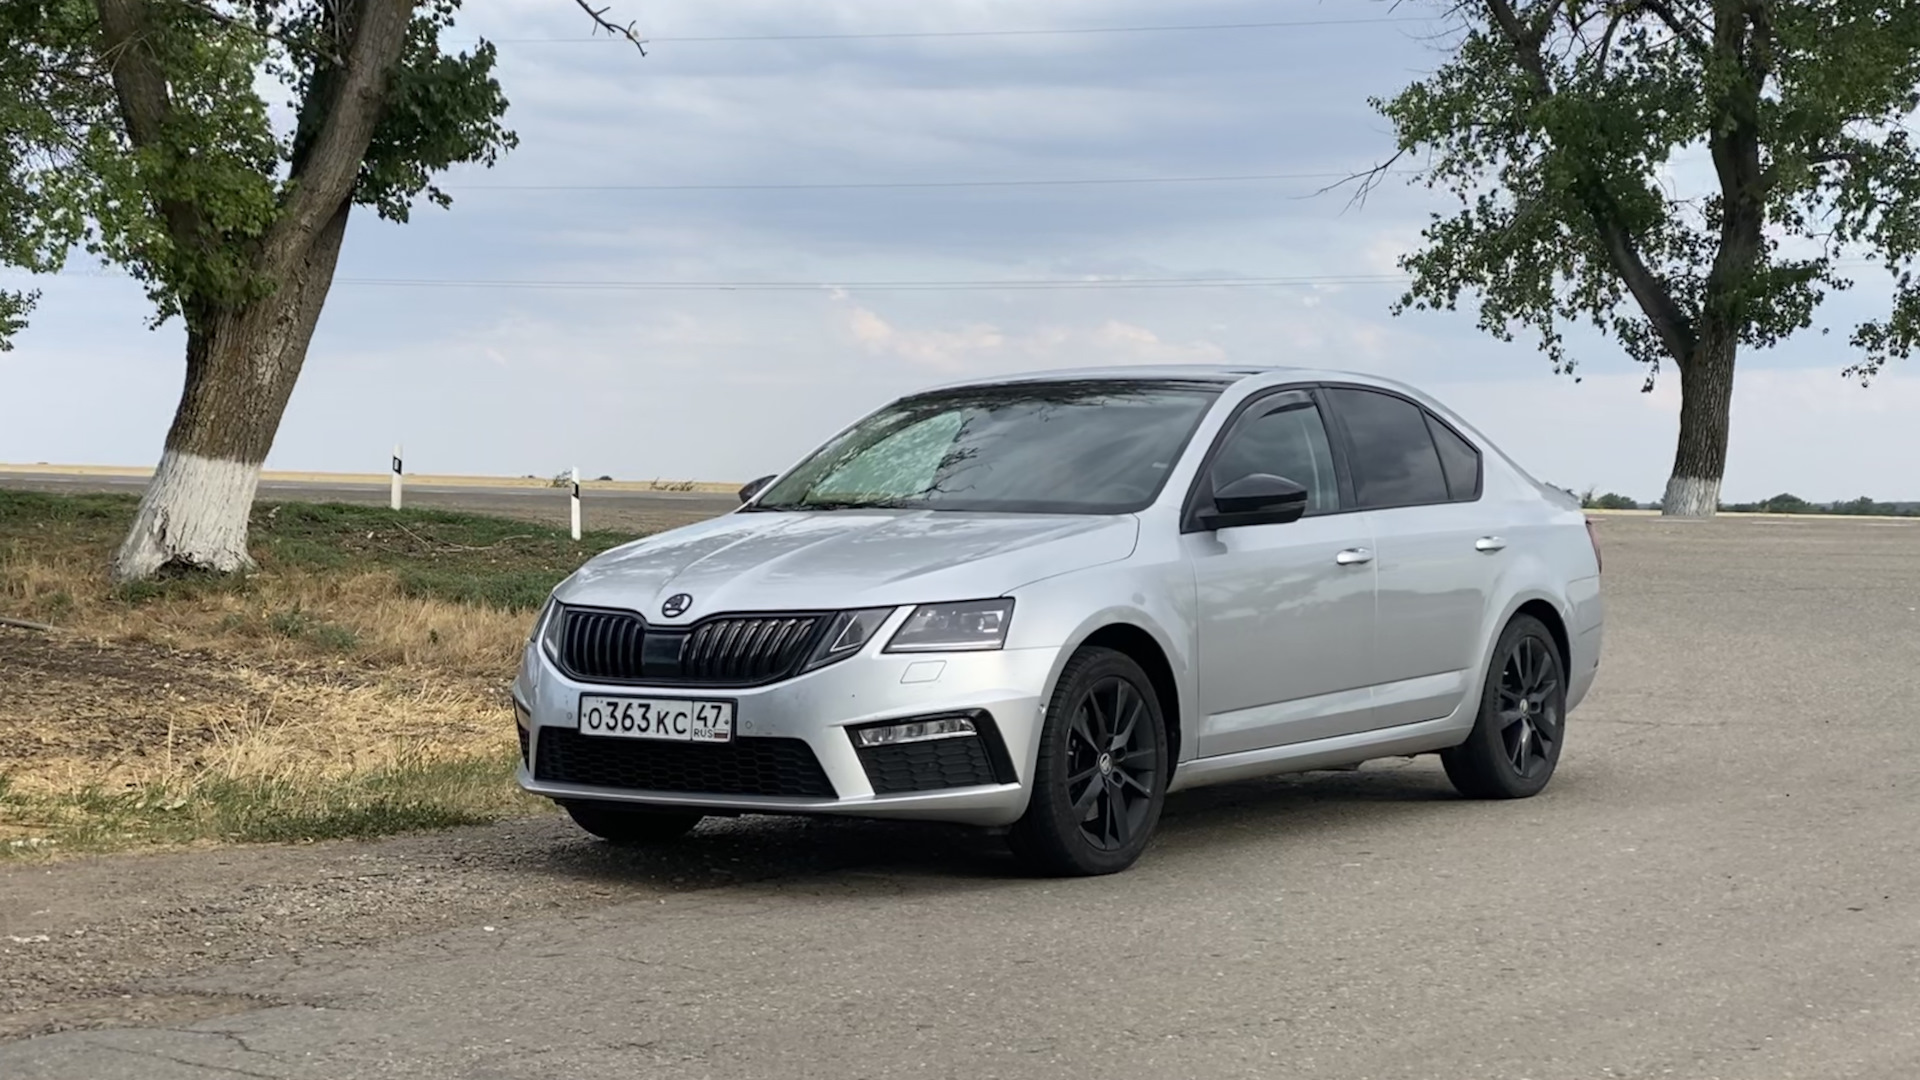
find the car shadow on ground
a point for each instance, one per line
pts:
(1260, 813)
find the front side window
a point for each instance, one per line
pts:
(1282, 436)
(1394, 460)
(1091, 447)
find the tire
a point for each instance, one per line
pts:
(632, 827)
(1516, 740)
(1093, 809)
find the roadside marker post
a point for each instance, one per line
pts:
(576, 502)
(394, 498)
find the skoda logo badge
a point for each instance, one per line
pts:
(676, 605)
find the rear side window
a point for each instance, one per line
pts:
(1394, 460)
(1458, 459)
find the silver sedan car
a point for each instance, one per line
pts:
(1039, 604)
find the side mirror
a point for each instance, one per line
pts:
(753, 488)
(1258, 499)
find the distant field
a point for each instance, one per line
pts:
(426, 479)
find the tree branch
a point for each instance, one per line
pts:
(1733, 141)
(1656, 301)
(1365, 180)
(1690, 37)
(601, 22)
(376, 34)
(321, 49)
(140, 86)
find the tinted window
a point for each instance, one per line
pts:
(1458, 459)
(1283, 436)
(1095, 447)
(1394, 462)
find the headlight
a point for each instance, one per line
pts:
(847, 634)
(974, 624)
(549, 630)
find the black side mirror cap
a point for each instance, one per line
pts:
(753, 488)
(1256, 499)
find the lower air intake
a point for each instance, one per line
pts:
(745, 766)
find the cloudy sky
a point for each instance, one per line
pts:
(666, 170)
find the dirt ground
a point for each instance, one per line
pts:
(1720, 882)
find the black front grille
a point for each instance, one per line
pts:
(927, 766)
(731, 650)
(523, 743)
(742, 767)
(745, 649)
(603, 645)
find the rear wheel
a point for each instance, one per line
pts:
(1516, 741)
(617, 825)
(1101, 775)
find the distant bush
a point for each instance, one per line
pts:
(1786, 503)
(1614, 501)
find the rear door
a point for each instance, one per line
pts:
(1286, 622)
(1437, 560)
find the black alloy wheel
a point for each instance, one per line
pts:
(1516, 742)
(1101, 776)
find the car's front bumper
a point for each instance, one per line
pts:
(818, 708)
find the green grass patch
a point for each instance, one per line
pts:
(296, 623)
(465, 558)
(437, 795)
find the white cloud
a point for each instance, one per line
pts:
(734, 383)
(980, 349)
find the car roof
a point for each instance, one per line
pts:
(1224, 374)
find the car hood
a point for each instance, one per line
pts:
(843, 559)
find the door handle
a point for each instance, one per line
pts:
(1354, 557)
(1489, 543)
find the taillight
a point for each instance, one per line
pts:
(1594, 539)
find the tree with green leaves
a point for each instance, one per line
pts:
(137, 131)
(1690, 177)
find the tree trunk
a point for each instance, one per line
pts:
(242, 363)
(1706, 403)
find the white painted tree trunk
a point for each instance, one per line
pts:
(195, 514)
(1691, 496)
(242, 363)
(1706, 409)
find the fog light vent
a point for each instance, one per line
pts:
(916, 731)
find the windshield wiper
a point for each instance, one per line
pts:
(834, 504)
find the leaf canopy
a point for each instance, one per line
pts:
(244, 90)
(1669, 171)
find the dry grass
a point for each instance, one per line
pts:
(355, 683)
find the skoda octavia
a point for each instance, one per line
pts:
(1039, 604)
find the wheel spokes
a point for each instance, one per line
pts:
(1127, 709)
(1111, 766)
(1085, 802)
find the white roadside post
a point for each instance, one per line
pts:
(576, 502)
(394, 498)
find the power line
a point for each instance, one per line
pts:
(908, 184)
(1029, 284)
(898, 35)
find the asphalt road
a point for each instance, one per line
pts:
(1722, 882)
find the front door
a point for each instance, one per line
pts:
(1286, 612)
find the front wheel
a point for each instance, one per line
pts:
(632, 827)
(1101, 775)
(1522, 725)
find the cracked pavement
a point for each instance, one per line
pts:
(1724, 881)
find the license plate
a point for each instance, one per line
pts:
(667, 719)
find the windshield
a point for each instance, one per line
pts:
(1043, 447)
